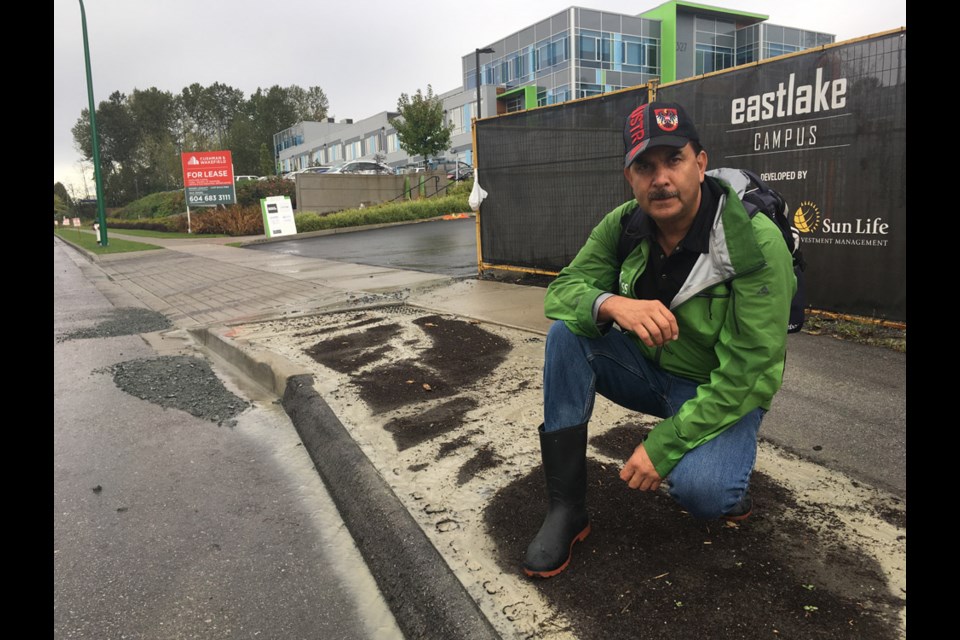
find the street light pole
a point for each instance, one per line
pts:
(477, 61)
(101, 214)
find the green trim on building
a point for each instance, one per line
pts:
(666, 13)
(723, 10)
(529, 95)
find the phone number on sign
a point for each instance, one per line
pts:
(210, 198)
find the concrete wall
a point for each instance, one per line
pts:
(323, 193)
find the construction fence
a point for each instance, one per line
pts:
(826, 127)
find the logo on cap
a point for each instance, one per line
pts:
(667, 119)
(637, 131)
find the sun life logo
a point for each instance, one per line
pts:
(807, 217)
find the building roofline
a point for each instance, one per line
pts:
(759, 17)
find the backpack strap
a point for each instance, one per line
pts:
(629, 226)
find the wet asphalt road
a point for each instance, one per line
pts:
(167, 524)
(447, 247)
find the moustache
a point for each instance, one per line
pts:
(663, 194)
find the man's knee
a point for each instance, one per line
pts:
(706, 500)
(561, 340)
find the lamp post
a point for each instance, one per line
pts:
(477, 60)
(101, 215)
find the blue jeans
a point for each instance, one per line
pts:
(709, 480)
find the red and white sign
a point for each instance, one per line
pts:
(207, 168)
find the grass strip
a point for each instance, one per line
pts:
(87, 240)
(145, 233)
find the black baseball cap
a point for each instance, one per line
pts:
(656, 124)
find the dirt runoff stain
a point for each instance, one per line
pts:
(453, 355)
(410, 431)
(619, 442)
(350, 352)
(122, 321)
(179, 382)
(649, 570)
(484, 459)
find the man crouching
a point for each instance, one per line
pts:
(690, 326)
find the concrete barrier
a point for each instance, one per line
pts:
(327, 193)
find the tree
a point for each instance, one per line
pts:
(116, 128)
(310, 104)
(142, 135)
(268, 166)
(60, 208)
(420, 127)
(61, 196)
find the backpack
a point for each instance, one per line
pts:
(756, 195)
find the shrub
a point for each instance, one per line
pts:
(384, 213)
(232, 221)
(462, 188)
(250, 192)
(155, 205)
(173, 224)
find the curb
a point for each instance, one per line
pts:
(426, 598)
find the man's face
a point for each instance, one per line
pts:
(666, 183)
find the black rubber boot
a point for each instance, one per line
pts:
(564, 455)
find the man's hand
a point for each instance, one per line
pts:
(639, 472)
(649, 320)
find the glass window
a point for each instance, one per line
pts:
(514, 103)
(588, 45)
(606, 48)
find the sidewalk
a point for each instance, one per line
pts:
(218, 292)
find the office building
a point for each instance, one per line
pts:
(578, 53)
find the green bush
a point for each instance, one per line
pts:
(250, 192)
(462, 188)
(168, 203)
(155, 205)
(173, 224)
(232, 221)
(384, 213)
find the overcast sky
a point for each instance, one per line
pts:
(363, 53)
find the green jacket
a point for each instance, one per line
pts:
(731, 313)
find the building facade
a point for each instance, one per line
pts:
(309, 144)
(575, 53)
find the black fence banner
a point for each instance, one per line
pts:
(550, 175)
(825, 127)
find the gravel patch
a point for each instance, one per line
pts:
(123, 321)
(180, 382)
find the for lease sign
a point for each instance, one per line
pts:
(208, 178)
(207, 168)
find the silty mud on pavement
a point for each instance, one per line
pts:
(180, 382)
(447, 409)
(122, 321)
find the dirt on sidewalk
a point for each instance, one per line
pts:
(447, 410)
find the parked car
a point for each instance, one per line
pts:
(365, 167)
(462, 171)
(293, 174)
(243, 178)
